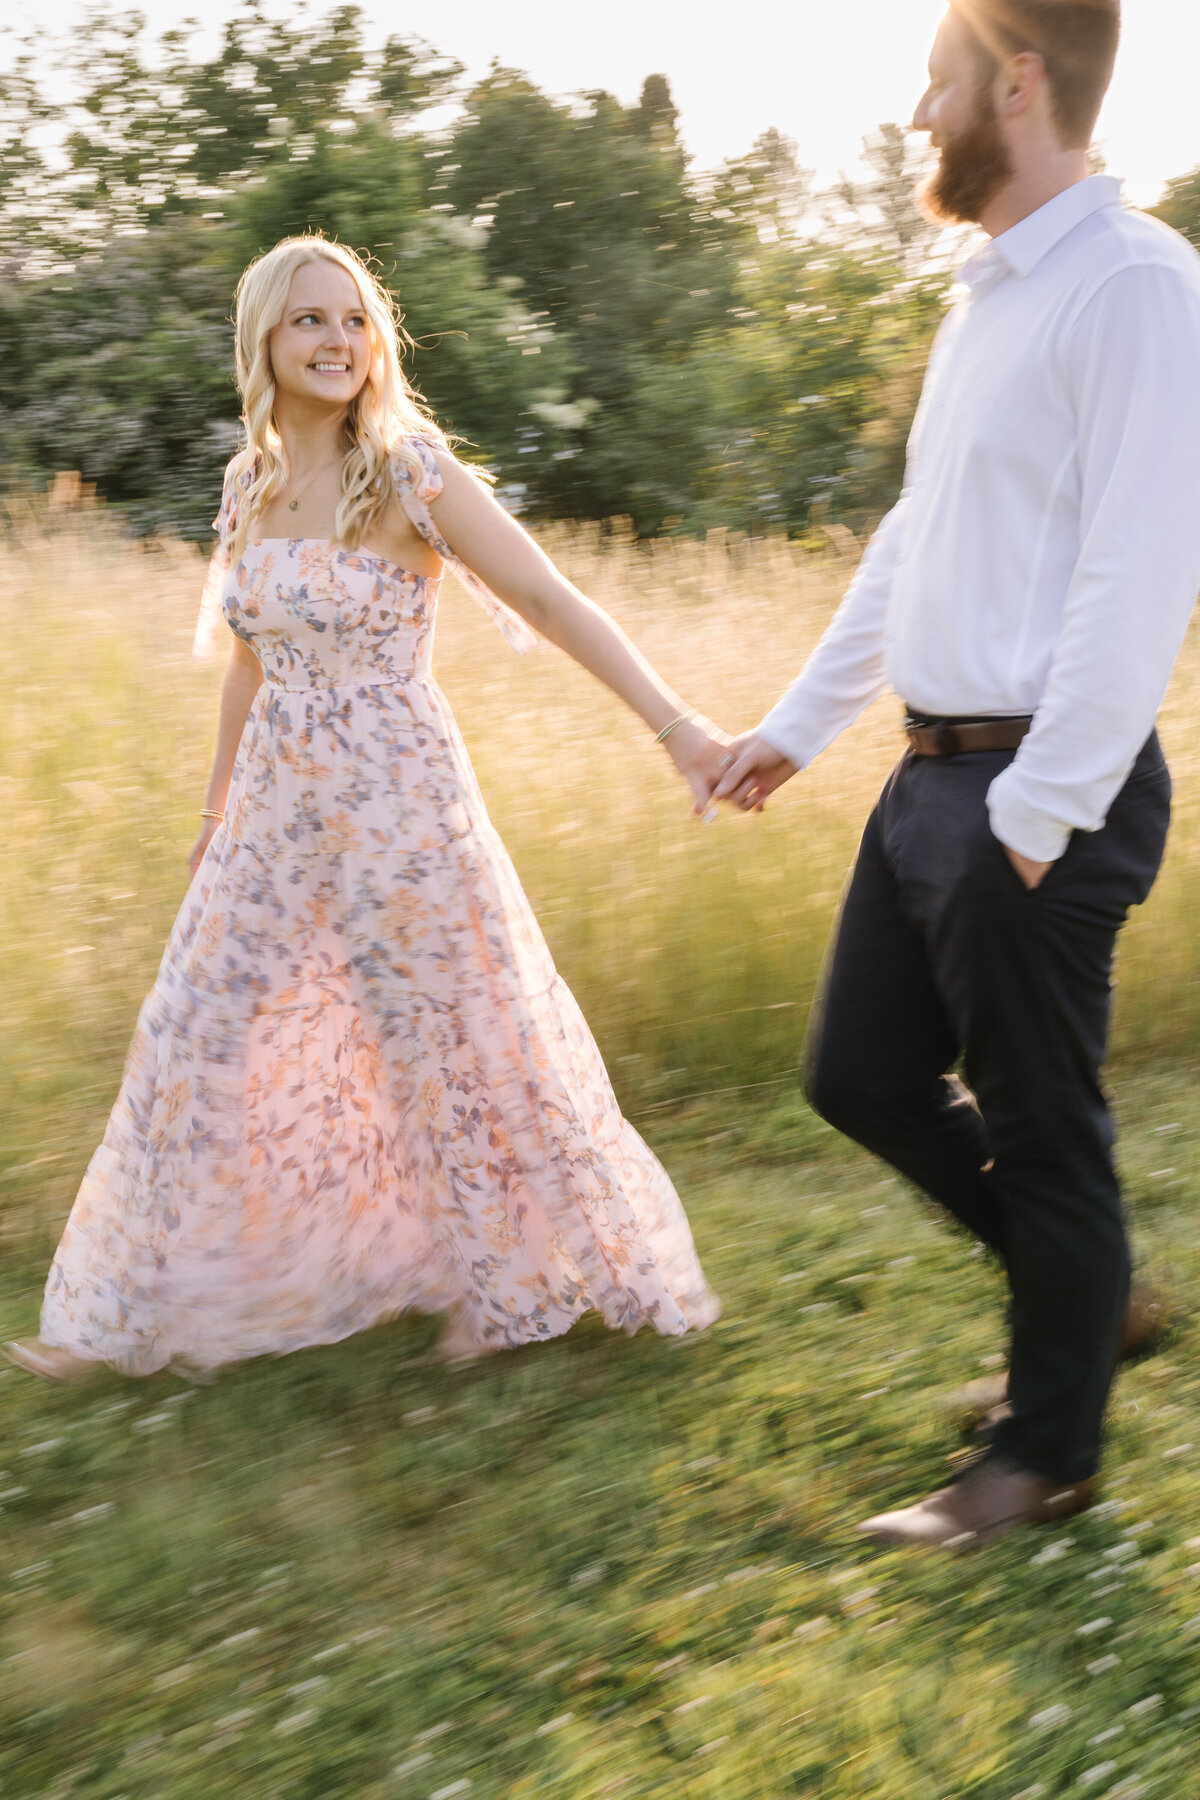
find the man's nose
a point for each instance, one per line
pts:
(920, 118)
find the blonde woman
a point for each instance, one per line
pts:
(359, 1085)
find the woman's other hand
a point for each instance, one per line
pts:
(203, 839)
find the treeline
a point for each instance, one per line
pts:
(614, 332)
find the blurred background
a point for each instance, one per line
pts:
(672, 285)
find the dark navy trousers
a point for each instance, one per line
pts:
(943, 959)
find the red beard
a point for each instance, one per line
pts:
(972, 167)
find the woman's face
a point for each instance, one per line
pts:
(321, 348)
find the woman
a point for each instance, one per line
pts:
(358, 1085)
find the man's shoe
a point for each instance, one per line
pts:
(1147, 1318)
(992, 1498)
(982, 1404)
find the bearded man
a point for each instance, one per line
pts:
(1026, 599)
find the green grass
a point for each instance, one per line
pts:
(603, 1567)
(611, 1566)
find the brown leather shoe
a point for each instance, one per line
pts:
(982, 1404)
(1147, 1318)
(993, 1497)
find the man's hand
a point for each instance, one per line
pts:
(1031, 873)
(755, 770)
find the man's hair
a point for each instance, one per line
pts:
(1076, 39)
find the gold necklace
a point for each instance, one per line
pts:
(294, 503)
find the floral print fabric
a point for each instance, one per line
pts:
(359, 1084)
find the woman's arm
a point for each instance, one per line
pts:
(243, 676)
(505, 557)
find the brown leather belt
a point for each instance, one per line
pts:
(956, 737)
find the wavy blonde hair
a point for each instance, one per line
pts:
(385, 411)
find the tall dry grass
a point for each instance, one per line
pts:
(693, 949)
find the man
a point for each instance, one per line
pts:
(1026, 598)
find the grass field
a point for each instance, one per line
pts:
(602, 1567)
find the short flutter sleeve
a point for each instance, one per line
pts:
(210, 635)
(416, 492)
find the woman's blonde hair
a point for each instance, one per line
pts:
(385, 411)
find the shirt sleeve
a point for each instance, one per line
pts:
(846, 670)
(1132, 365)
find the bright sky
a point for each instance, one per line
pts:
(824, 71)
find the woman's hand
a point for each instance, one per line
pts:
(203, 840)
(698, 750)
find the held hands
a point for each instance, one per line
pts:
(751, 770)
(698, 749)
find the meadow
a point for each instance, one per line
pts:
(607, 1566)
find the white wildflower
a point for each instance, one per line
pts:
(412, 1763)
(296, 1721)
(584, 1578)
(1052, 1716)
(91, 1513)
(173, 1677)
(1101, 1772)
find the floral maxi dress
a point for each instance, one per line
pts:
(359, 1084)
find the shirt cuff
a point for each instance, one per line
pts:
(1023, 828)
(787, 734)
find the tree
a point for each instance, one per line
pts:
(1180, 206)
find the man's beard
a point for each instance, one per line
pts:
(972, 168)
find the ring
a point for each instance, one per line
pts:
(727, 762)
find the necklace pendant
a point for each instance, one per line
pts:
(293, 505)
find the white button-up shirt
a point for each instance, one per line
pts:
(1044, 556)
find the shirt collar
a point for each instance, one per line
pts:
(1021, 249)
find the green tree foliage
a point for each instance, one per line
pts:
(1180, 206)
(616, 333)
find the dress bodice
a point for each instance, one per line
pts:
(320, 616)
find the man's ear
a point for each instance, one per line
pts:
(1019, 82)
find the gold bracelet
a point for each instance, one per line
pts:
(207, 813)
(684, 718)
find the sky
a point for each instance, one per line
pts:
(825, 72)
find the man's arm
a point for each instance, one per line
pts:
(843, 675)
(1134, 372)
